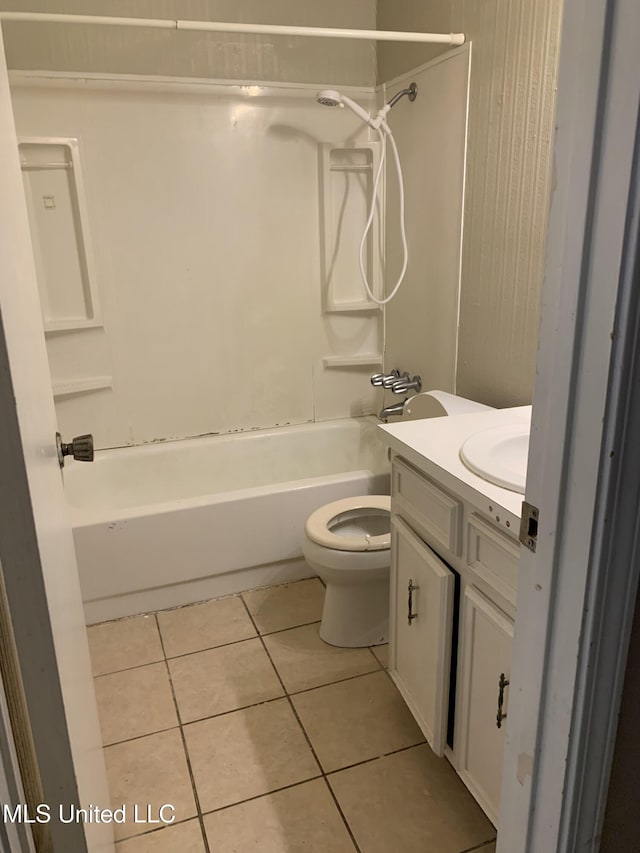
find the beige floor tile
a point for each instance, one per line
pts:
(247, 753)
(223, 679)
(303, 819)
(303, 660)
(486, 848)
(287, 606)
(151, 770)
(382, 653)
(183, 838)
(410, 801)
(124, 644)
(203, 626)
(135, 702)
(356, 720)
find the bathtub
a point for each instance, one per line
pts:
(176, 522)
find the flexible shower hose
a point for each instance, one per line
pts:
(383, 134)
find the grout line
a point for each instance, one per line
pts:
(140, 737)
(324, 775)
(212, 648)
(377, 659)
(285, 695)
(184, 746)
(333, 796)
(330, 683)
(255, 636)
(342, 814)
(154, 614)
(376, 758)
(266, 794)
(148, 832)
(128, 668)
(310, 745)
(292, 628)
(233, 710)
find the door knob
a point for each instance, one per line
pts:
(81, 448)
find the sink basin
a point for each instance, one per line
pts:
(499, 455)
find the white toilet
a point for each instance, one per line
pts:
(348, 543)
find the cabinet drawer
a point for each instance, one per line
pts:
(493, 556)
(431, 510)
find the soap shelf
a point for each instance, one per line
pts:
(369, 359)
(346, 187)
(58, 220)
(353, 307)
(69, 387)
(71, 325)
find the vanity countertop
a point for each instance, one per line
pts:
(433, 446)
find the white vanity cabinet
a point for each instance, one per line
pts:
(484, 672)
(422, 598)
(453, 593)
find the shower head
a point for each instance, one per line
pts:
(332, 98)
(329, 98)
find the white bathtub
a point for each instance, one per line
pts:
(171, 523)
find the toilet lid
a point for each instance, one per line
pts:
(318, 524)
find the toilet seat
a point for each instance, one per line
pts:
(318, 525)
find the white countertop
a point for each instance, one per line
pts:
(433, 445)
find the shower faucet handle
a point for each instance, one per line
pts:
(389, 380)
(404, 384)
(382, 380)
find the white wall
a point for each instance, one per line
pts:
(509, 175)
(422, 319)
(204, 217)
(118, 50)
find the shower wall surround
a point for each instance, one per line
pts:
(203, 208)
(422, 319)
(508, 181)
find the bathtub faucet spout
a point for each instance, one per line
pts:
(389, 411)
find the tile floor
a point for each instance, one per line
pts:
(265, 739)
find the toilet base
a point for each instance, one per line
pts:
(356, 615)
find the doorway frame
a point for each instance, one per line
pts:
(567, 673)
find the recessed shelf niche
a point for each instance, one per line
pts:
(57, 210)
(346, 185)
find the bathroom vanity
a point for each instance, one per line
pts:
(454, 578)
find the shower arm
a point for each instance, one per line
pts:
(411, 93)
(378, 121)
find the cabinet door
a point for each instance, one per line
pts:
(421, 636)
(486, 637)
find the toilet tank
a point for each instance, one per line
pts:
(437, 404)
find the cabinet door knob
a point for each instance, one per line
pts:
(502, 683)
(410, 614)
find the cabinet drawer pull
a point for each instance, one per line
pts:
(502, 683)
(411, 615)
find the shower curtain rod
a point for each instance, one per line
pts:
(222, 27)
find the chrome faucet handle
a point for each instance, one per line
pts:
(388, 381)
(384, 380)
(404, 384)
